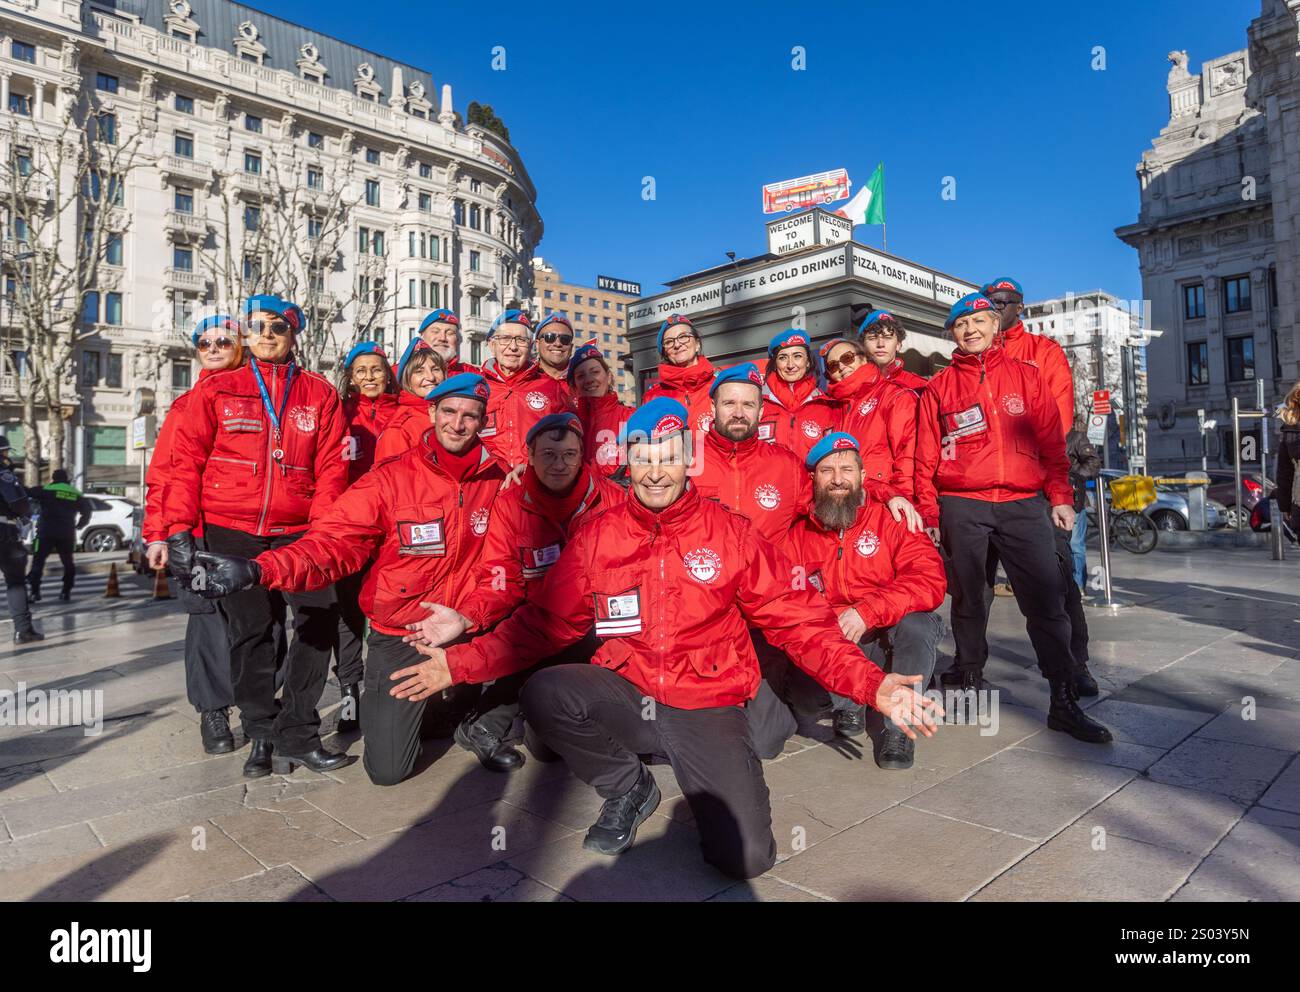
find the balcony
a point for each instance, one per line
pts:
(252, 186)
(185, 279)
(182, 226)
(478, 283)
(476, 328)
(184, 171)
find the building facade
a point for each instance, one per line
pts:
(598, 316)
(250, 133)
(1216, 237)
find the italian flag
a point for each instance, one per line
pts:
(868, 203)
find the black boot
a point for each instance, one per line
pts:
(350, 702)
(897, 750)
(259, 760)
(1066, 716)
(492, 752)
(1084, 683)
(27, 636)
(317, 760)
(850, 721)
(65, 596)
(615, 828)
(214, 728)
(34, 595)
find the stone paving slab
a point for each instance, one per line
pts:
(1241, 771)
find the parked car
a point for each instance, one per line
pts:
(1261, 520)
(110, 527)
(1170, 510)
(1223, 488)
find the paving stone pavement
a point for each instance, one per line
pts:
(1197, 799)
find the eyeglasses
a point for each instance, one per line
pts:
(259, 324)
(885, 333)
(549, 457)
(844, 364)
(364, 373)
(550, 337)
(218, 344)
(1002, 304)
(511, 341)
(679, 341)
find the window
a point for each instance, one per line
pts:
(253, 163)
(564, 297)
(546, 293)
(113, 371)
(410, 293)
(577, 298)
(367, 96)
(249, 57)
(184, 201)
(180, 375)
(606, 321)
(23, 159)
(1241, 359)
(90, 308)
(426, 170)
(314, 225)
(426, 203)
(424, 293)
(618, 307)
(252, 269)
(433, 247)
(252, 218)
(183, 104)
(372, 192)
(105, 83)
(1198, 364)
(606, 336)
(475, 186)
(372, 156)
(474, 261)
(113, 250)
(410, 243)
(476, 306)
(183, 310)
(487, 221)
(311, 77)
(363, 240)
(23, 52)
(1236, 294)
(315, 178)
(90, 368)
(378, 243)
(1194, 301)
(183, 144)
(619, 322)
(315, 140)
(459, 211)
(605, 304)
(253, 123)
(475, 217)
(181, 33)
(20, 104)
(116, 190)
(183, 259)
(107, 446)
(577, 318)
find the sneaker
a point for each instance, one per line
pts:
(850, 722)
(615, 829)
(896, 752)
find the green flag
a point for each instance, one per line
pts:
(876, 205)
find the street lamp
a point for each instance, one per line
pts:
(1205, 426)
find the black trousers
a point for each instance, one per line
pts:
(13, 563)
(498, 705)
(207, 653)
(597, 721)
(907, 648)
(1020, 531)
(292, 722)
(1073, 598)
(45, 546)
(348, 664)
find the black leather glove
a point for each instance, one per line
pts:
(216, 575)
(180, 555)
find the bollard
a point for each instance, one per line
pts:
(111, 591)
(161, 590)
(1276, 531)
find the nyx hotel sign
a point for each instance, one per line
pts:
(612, 285)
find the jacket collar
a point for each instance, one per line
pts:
(791, 395)
(730, 448)
(865, 376)
(689, 377)
(430, 446)
(493, 372)
(1012, 333)
(990, 358)
(687, 503)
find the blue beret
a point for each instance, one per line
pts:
(746, 372)
(510, 317)
(580, 355)
(553, 318)
(467, 384)
(443, 316)
(672, 321)
(789, 338)
(552, 421)
(968, 304)
(414, 345)
(291, 312)
(219, 320)
(363, 348)
(870, 319)
(661, 417)
(1000, 284)
(839, 441)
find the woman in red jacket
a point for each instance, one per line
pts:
(796, 411)
(685, 375)
(207, 651)
(602, 413)
(421, 369)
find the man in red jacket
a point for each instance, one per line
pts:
(521, 393)
(531, 523)
(671, 582)
(881, 335)
(685, 375)
(988, 447)
(258, 456)
(440, 330)
(602, 413)
(553, 339)
(884, 581)
(420, 518)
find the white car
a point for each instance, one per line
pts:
(110, 526)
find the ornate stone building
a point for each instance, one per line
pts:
(1216, 236)
(239, 116)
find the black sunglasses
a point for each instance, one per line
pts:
(550, 337)
(276, 327)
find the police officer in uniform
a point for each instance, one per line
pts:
(14, 510)
(64, 511)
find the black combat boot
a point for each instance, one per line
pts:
(1066, 716)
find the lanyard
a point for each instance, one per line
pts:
(278, 453)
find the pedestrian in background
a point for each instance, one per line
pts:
(15, 510)
(64, 511)
(1288, 454)
(1085, 464)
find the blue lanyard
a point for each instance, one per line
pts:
(266, 397)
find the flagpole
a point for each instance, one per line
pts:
(884, 234)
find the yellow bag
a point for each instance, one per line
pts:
(1132, 492)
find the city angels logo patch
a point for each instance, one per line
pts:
(866, 406)
(1013, 404)
(536, 400)
(768, 497)
(868, 544)
(703, 564)
(811, 429)
(478, 521)
(303, 418)
(705, 422)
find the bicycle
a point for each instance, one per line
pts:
(1133, 531)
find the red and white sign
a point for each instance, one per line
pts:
(806, 191)
(1101, 401)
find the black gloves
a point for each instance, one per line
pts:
(180, 555)
(216, 575)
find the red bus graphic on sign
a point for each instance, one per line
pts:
(807, 191)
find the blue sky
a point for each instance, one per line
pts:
(1001, 96)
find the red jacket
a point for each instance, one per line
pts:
(796, 416)
(882, 416)
(765, 483)
(672, 594)
(405, 427)
(899, 376)
(423, 529)
(222, 469)
(602, 418)
(994, 416)
(1049, 358)
(457, 367)
(875, 566)
(523, 543)
(516, 403)
(159, 474)
(689, 386)
(366, 419)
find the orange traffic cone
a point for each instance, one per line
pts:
(111, 591)
(161, 590)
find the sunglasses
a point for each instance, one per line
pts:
(1003, 304)
(219, 344)
(550, 337)
(844, 364)
(277, 327)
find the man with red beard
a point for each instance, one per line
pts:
(602, 413)
(881, 336)
(884, 581)
(440, 330)
(685, 375)
(796, 411)
(521, 393)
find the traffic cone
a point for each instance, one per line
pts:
(111, 591)
(161, 590)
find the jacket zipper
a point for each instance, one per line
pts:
(270, 462)
(659, 599)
